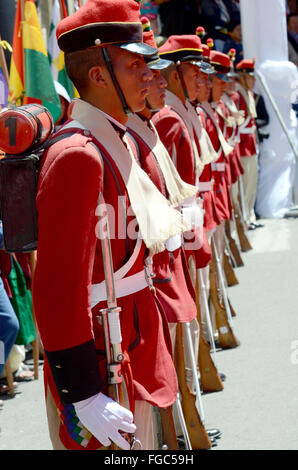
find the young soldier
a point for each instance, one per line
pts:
(171, 280)
(104, 55)
(211, 220)
(248, 142)
(216, 116)
(178, 124)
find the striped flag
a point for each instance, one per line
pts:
(56, 56)
(3, 74)
(31, 80)
(16, 78)
(3, 90)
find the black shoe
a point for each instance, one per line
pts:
(213, 433)
(213, 441)
(259, 225)
(252, 227)
(181, 442)
(222, 376)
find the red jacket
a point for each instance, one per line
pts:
(69, 261)
(248, 142)
(174, 135)
(221, 190)
(172, 280)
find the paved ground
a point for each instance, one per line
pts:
(258, 409)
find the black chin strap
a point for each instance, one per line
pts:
(178, 68)
(115, 81)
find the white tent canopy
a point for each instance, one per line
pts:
(265, 38)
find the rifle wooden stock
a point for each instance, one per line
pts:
(168, 428)
(229, 272)
(233, 246)
(226, 337)
(232, 310)
(197, 433)
(209, 377)
(243, 240)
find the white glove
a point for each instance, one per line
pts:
(104, 417)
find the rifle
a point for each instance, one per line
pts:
(229, 272)
(243, 240)
(226, 337)
(232, 244)
(198, 435)
(168, 428)
(210, 379)
(110, 320)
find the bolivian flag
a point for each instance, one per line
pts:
(56, 56)
(30, 75)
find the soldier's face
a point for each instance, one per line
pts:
(191, 74)
(218, 87)
(157, 95)
(204, 87)
(133, 76)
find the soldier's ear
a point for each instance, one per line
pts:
(175, 76)
(97, 77)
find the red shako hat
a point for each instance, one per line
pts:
(207, 48)
(246, 66)
(221, 64)
(101, 23)
(155, 62)
(183, 48)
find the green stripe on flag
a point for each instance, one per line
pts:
(39, 82)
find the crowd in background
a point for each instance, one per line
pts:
(220, 18)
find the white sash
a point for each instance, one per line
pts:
(178, 189)
(156, 219)
(175, 103)
(226, 148)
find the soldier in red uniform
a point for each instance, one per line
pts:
(231, 98)
(178, 125)
(248, 140)
(172, 280)
(216, 118)
(104, 56)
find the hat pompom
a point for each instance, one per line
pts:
(146, 24)
(210, 43)
(232, 54)
(200, 31)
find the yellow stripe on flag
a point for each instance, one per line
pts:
(32, 35)
(16, 89)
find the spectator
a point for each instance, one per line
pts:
(9, 325)
(292, 6)
(179, 17)
(292, 26)
(262, 119)
(149, 8)
(234, 41)
(216, 16)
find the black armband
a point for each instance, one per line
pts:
(75, 372)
